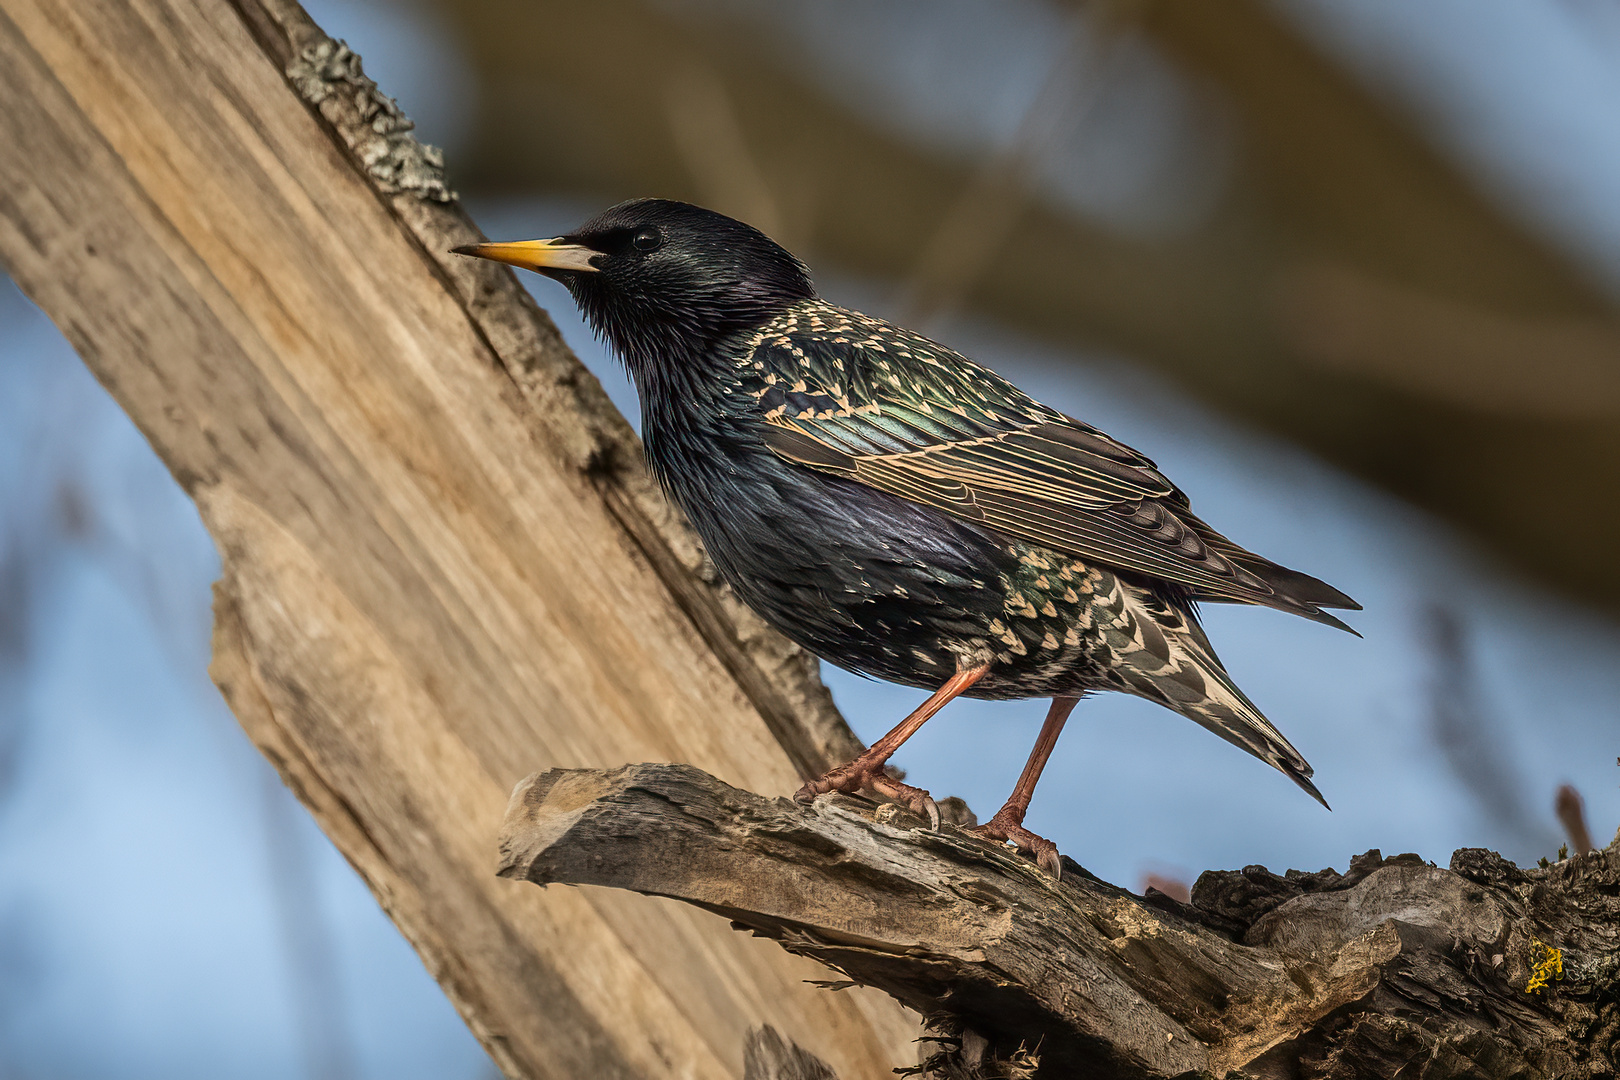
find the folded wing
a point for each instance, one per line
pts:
(951, 435)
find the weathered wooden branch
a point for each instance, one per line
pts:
(1396, 967)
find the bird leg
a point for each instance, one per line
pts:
(866, 771)
(1008, 824)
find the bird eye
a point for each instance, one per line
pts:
(647, 240)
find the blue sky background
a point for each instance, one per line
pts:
(158, 886)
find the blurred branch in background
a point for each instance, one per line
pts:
(44, 514)
(1176, 888)
(1472, 736)
(712, 145)
(1564, 369)
(1341, 281)
(18, 556)
(1572, 815)
(30, 535)
(982, 217)
(306, 938)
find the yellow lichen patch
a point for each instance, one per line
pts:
(1549, 968)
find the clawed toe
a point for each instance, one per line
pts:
(851, 780)
(1004, 830)
(812, 788)
(915, 798)
(848, 779)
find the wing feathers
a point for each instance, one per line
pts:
(795, 445)
(1015, 466)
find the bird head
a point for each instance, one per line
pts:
(664, 281)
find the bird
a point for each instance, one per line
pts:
(904, 512)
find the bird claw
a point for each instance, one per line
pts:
(854, 777)
(914, 798)
(1004, 829)
(839, 779)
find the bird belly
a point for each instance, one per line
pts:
(887, 588)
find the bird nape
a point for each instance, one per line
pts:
(904, 512)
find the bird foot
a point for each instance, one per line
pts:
(1007, 827)
(859, 775)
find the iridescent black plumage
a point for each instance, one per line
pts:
(900, 510)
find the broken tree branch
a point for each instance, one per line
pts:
(1394, 964)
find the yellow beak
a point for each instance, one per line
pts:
(535, 254)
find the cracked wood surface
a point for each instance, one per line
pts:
(1396, 964)
(442, 559)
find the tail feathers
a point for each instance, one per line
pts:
(1229, 713)
(1316, 614)
(1296, 593)
(1298, 587)
(1200, 689)
(1290, 590)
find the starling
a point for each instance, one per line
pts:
(904, 512)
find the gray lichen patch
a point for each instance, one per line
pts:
(328, 74)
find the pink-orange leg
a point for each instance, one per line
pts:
(1008, 824)
(866, 771)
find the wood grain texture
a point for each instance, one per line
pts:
(443, 564)
(1397, 967)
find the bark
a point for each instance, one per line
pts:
(1396, 967)
(443, 562)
